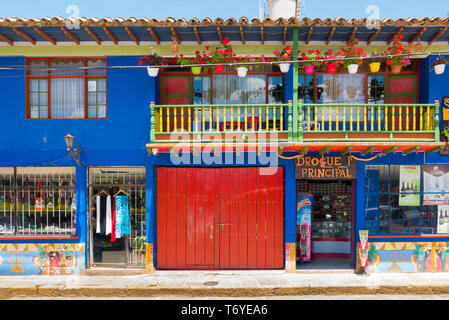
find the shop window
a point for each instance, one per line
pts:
(306, 89)
(61, 88)
(37, 201)
(276, 89)
(376, 89)
(400, 200)
(201, 90)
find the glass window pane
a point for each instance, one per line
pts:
(34, 99)
(276, 90)
(92, 98)
(43, 84)
(394, 179)
(34, 85)
(102, 111)
(96, 67)
(92, 112)
(343, 88)
(34, 112)
(38, 67)
(67, 67)
(102, 97)
(43, 97)
(404, 220)
(43, 112)
(430, 221)
(384, 212)
(67, 98)
(101, 83)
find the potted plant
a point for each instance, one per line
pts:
(152, 61)
(331, 61)
(374, 65)
(311, 60)
(221, 55)
(354, 53)
(397, 55)
(242, 69)
(283, 57)
(439, 65)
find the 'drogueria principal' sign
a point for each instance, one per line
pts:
(326, 167)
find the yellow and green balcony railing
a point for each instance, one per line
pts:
(296, 122)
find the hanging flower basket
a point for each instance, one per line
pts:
(242, 71)
(331, 67)
(309, 69)
(353, 68)
(195, 70)
(439, 68)
(152, 72)
(284, 67)
(374, 66)
(395, 69)
(219, 69)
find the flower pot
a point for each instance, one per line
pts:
(152, 72)
(309, 69)
(374, 66)
(353, 68)
(331, 68)
(241, 72)
(196, 70)
(396, 69)
(219, 68)
(439, 68)
(284, 67)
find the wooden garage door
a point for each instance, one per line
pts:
(219, 218)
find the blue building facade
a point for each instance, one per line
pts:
(115, 157)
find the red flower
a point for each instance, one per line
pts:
(226, 41)
(207, 47)
(287, 48)
(140, 61)
(220, 51)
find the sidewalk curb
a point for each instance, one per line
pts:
(7, 293)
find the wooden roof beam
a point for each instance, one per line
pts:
(154, 35)
(45, 35)
(354, 31)
(309, 34)
(242, 35)
(368, 150)
(93, 35)
(390, 150)
(408, 151)
(197, 34)
(6, 39)
(132, 35)
(284, 36)
(175, 35)
(437, 35)
(434, 149)
(24, 35)
(261, 35)
(417, 35)
(220, 34)
(110, 35)
(373, 36)
(325, 150)
(394, 35)
(70, 35)
(331, 34)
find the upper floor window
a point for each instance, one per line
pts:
(66, 88)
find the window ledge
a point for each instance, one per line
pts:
(39, 238)
(422, 236)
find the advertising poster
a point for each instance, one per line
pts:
(409, 182)
(443, 219)
(436, 181)
(303, 227)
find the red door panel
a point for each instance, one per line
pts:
(209, 222)
(279, 218)
(180, 216)
(199, 219)
(161, 221)
(252, 219)
(260, 219)
(223, 221)
(242, 191)
(269, 214)
(171, 217)
(190, 219)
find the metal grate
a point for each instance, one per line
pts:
(38, 201)
(132, 180)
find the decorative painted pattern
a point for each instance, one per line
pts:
(41, 258)
(408, 257)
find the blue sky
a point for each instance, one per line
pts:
(214, 8)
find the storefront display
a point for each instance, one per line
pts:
(436, 184)
(410, 182)
(303, 227)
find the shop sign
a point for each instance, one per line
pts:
(326, 167)
(410, 186)
(436, 184)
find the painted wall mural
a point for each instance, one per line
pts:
(408, 257)
(41, 258)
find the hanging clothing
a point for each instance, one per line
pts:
(101, 214)
(113, 238)
(122, 216)
(108, 216)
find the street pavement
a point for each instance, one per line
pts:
(222, 284)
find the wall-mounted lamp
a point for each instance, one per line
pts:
(73, 153)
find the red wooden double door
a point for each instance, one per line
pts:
(219, 218)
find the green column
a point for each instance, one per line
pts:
(295, 85)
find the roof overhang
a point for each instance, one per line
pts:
(343, 148)
(146, 31)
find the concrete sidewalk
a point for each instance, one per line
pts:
(224, 284)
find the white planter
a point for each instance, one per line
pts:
(152, 72)
(439, 68)
(353, 68)
(284, 67)
(241, 71)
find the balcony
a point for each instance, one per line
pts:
(295, 123)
